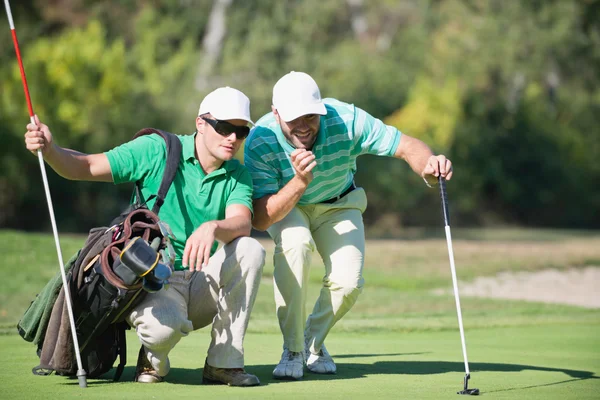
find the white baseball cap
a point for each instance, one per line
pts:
(297, 94)
(226, 103)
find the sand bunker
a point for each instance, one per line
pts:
(576, 286)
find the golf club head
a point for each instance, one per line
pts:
(165, 229)
(143, 261)
(470, 392)
(466, 390)
(157, 278)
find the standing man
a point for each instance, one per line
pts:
(209, 201)
(302, 158)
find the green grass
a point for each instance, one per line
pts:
(399, 341)
(525, 362)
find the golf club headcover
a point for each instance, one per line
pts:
(142, 260)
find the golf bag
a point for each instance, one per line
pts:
(110, 275)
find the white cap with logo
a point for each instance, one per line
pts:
(297, 94)
(226, 103)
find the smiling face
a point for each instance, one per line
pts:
(213, 148)
(300, 132)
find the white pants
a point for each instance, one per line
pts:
(223, 294)
(337, 232)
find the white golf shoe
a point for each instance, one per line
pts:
(320, 363)
(291, 365)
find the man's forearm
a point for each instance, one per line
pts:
(273, 208)
(74, 165)
(232, 228)
(414, 152)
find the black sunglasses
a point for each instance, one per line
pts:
(225, 128)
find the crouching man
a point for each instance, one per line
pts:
(210, 200)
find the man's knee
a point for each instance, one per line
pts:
(298, 240)
(349, 291)
(351, 294)
(250, 253)
(162, 331)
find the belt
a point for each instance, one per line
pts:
(334, 199)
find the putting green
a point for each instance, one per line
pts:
(549, 362)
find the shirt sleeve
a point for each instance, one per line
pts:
(265, 177)
(136, 160)
(242, 190)
(372, 136)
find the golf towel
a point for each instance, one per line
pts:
(33, 324)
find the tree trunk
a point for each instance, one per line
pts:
(212, 45)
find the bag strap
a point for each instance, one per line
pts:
(122, 353)
(174, 149)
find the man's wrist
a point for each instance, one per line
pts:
(51, 152)
(300, 182)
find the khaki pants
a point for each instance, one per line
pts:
(337, 232)
(223, 294)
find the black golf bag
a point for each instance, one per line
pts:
(111, 274)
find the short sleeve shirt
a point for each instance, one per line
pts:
(194, 197)
(345, 133)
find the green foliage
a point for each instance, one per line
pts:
(87, 74)
(94, 93)
(508, 90)
(431, 113)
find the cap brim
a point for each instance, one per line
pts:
(224, 117)
(291, 113)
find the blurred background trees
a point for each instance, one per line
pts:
(508, 90)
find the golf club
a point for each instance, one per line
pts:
(81, 375)
(466, 389)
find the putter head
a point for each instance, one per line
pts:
(466, 390)
(470, 392)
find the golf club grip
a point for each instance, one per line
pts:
(444, 196)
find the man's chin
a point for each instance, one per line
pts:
(226, 156)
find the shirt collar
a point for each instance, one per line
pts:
(189, 146)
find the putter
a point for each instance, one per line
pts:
(466, 390)
(81, 374)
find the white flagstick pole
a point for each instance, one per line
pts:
(81, 375)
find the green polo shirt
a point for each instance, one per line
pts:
(193, 197)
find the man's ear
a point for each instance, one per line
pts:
(275, 113)
(200, 125)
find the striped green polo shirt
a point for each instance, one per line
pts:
(194, 197)
(345, 133)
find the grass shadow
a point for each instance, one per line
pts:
(342, 356)
(350, 370)
(362, 370)
(181, 376)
